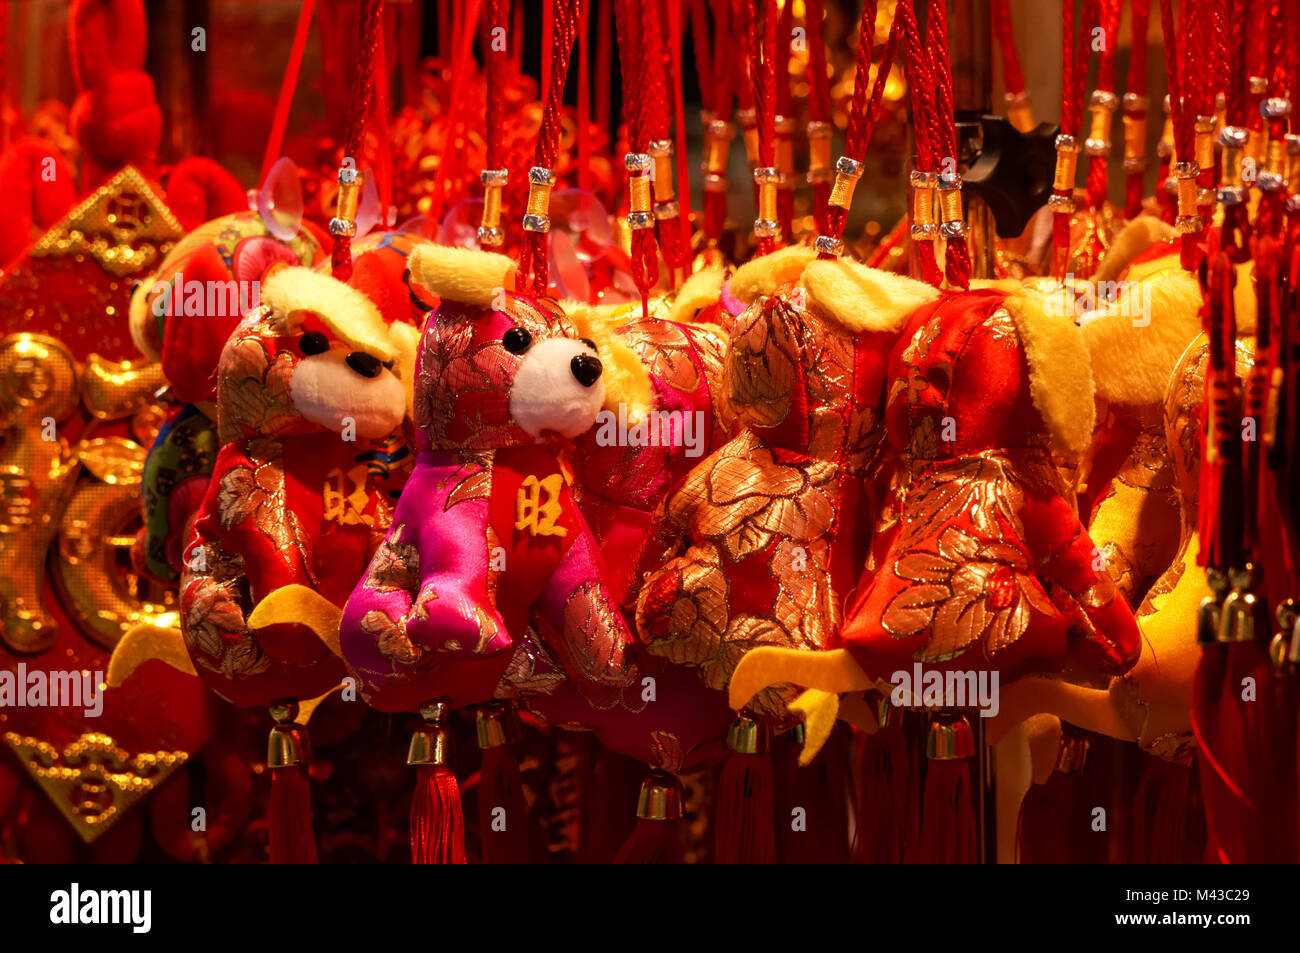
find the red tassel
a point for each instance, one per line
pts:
(657, 837)
(1169, 818)
(289, 820)
(437, 821)
(1055, 823)
(652, 842)
(820, 833)
(744, 820)
(948, 809)
(502, 810)
(948, 832)
(886, 787)
(606, 823)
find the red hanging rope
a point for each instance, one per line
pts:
(920, 87)
(533, 263)
(762, 67)
(819, 104)
(363, 91)
(682, 223)
(957, 263)
(275, 141)
(1074, 52)
(1136, 106)
(1013, 78)
(1099, 163)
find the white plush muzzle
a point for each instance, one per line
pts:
(328, 392)
(547, 394)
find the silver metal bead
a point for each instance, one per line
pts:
(829, 246)
(850, 167)
(921, 180)
(766, 228)
(1188, 224)
(1066, 143)
(494, 176)
(951, 230)
(348, 175)
(660, 147)
(1103, 98)
(1233, 137)
(538, 175)
(490, 236)
(1135, 103)
(637, 162)
(764, 174)
(924, 233)
(639, 220)
(343, 227)
(1060, 203)
(1231, 195)
(537, 223)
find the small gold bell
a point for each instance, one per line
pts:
(1245, 615)
(660, 798)
(1210, 611)
(746, 735)
(1072, 752)
(949, 737)
(1284, 650)
(495, 725)
(285, 747)
(432, 742)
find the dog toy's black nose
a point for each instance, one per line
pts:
(366, 365)
(586, 369)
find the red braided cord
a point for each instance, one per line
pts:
(819, 94)
(713, 202)
(742, 45)
(1098, 166)
(863, 119)
(703, 55)
(855, 135)
(533, 261)
(819, 100)
(781, 107)
(655, 119)
(498, 12)
(584, 105)
(639, 34)
(763, 82)
(1012, 76)
(957, 253)
(1137, 86)
(682, 223)
(363, 91)
(1238, 85)
(919, 83)
(1269, 215)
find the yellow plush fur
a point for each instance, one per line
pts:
(1131, 363)
(351, 315)
(406, 342)
(1060, 376)
(1133, 239)
(698, 291)
(763, 276)
(466, 275)
(862, 298)
(627, 381)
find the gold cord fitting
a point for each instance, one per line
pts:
(537, 217)
(819, 153)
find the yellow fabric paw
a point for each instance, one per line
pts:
(833, 671)
(303, 606)
(819, 710)
(144, 642)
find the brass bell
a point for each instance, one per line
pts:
(432, 742)
(1209, 612)
(1072, 752)
(888, 715)
(949, 737)
(660, 798)
(1244, 616)
(746, 735)
(495, 724)
(285, 747)
(1284, 650)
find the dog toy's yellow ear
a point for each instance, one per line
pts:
(345, 310)
(761, 277)
(698, 291)
(405, 339)
(465, 275)
(862, 298)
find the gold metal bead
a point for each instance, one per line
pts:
(660, 798)
(747, 735)
(284, 746)
(432, 742)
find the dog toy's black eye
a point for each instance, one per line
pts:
(365, 364)
(313, 342)
(589, 342)
(517, 340)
